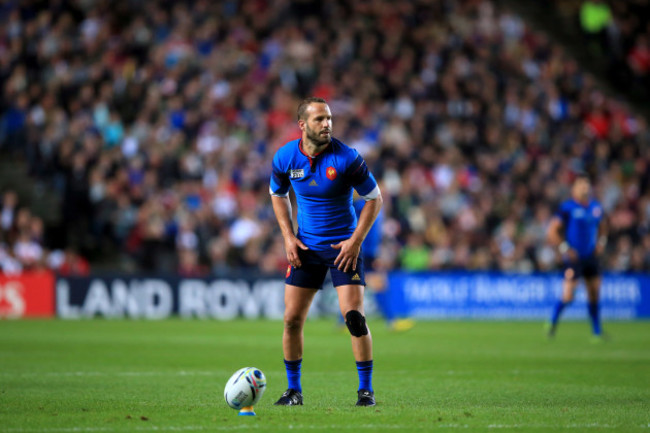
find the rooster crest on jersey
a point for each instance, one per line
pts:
(331, 173)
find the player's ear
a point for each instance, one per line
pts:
(301, 124)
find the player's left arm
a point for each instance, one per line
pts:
(366, 185)
(351, 247)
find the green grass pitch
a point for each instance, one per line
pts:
(149, 376)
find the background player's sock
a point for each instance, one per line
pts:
(364, 368)
(293, 374)
(594, 315)
(557, 311)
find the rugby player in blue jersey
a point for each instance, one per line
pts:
(323, 172)
(578, 231)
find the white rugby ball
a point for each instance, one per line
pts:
(245, 387)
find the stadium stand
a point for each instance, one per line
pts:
(156, 121)
(617, 36)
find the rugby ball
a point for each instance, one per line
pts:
(245, 388)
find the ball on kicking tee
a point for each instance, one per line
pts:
(245, 388)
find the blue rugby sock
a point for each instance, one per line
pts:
(557, 311)
(594, 315)
(364, 368)
(293, 374)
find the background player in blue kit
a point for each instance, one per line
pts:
(323, 172)
(578, 231)
(376, 275)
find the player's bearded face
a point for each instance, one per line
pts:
(318, 127)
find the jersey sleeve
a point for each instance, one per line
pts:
(361, 179)
(563, 213)
(279, 184)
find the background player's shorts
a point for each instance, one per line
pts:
(314, 269)
(587, 267)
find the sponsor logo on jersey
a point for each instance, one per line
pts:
(313, 183)
(578, 213)
(331, 173)
(296, 174)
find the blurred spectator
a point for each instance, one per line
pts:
(8, 211)
(12, 124)
(73, 264)
(639, 56)
(638, 60)
(189, 265)
(595, 17)
(9, 265)
(415, 254)
(23, 243)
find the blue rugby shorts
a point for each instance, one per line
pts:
(315, 265)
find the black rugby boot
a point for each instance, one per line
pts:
(366, 398)
(291, 397)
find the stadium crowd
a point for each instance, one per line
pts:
(616, 33)
(156, 122)
(23, 246)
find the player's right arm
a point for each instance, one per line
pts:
(555, 235)
(282, 209)
(279, 190)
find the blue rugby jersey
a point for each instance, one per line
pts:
(323, 187)
(581, 223)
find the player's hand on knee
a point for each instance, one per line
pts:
(347, 257)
